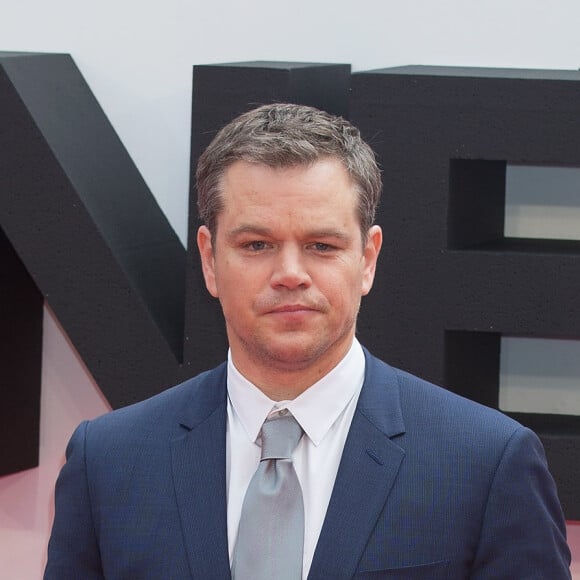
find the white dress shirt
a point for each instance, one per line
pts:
(324, 411)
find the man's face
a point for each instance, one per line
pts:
(288, 265)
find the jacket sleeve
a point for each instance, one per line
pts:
(523, 533)
(73, 550)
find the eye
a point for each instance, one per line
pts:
(256, 245)
(322, 247)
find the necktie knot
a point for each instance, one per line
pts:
(280, 436)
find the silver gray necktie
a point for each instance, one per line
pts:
(271, 534)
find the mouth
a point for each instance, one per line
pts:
(290, 308)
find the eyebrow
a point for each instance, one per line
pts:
(248, 229)
(267, 232)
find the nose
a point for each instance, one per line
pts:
(290, 270)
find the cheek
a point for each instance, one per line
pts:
(344, 288)
(236, 282)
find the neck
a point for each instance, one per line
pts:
(281, 382)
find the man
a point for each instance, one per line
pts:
(391, 478)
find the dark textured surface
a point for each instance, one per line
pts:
(93, 240)
(20, 358)
(90, 233)
(449, 284)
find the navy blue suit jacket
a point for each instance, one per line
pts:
(430, 486)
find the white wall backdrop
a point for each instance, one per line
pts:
(137, 58)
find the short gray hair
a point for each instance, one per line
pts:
(285, 135)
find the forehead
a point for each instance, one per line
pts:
(323, 180)
(296, 200)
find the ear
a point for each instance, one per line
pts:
(206, 254)
(370, 256)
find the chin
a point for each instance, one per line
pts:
(293, 355)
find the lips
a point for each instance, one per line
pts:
(288, 308)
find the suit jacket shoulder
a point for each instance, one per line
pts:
(164, 414)
(443, 488)
(142, 493)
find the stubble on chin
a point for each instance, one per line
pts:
(290, 353)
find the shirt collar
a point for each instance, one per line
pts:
(316, 409)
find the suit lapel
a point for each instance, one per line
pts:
(199, 472)
(368, 468)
